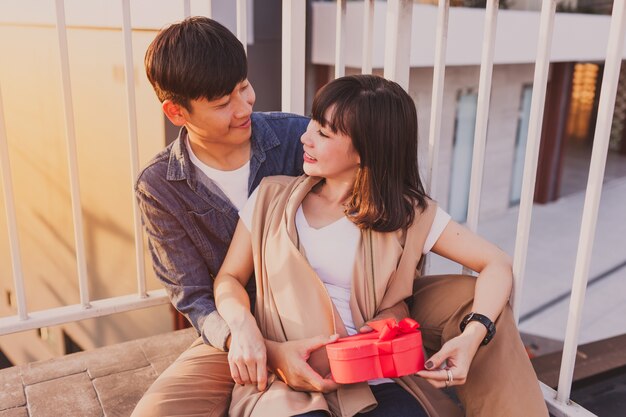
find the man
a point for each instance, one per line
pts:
(190, 193)
(189, 196)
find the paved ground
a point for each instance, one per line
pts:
(103, 382)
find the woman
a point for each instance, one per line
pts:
(339, 246)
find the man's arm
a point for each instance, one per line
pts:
(182, 270)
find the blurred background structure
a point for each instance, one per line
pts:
(34, 114)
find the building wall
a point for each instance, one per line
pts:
(506, 90)
(33, 110)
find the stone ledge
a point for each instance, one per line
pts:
(104, 382)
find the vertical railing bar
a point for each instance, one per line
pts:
(293, 56)
(72, 155)
(540, 82)
(398, 41)
(210, 11)
(242, 23)
(436, 107)
(482, 116)
(14, 241)
(340, 39)
(593, 192)
(133, 138)
(368, 35)
(186, 8)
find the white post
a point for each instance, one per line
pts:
(186, 8)
(482, 116)
(398, 41)
(436, 107)
(242, 23)
(542, 67)
(606, 106)
(14, 242)
(134, 148)
(72, 155)
(368, 35)
(210, 10)
(340, 39)
(293, 57)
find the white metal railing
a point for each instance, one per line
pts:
(542, 66)
(14, 243)
(71, 155)
(368, 36)
(293, 56)
(606, 107)
(396, 67)
(439, 73)
(133, 139)
(398, 41)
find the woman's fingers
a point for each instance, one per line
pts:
(440, 378)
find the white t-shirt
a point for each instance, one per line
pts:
(234, 184)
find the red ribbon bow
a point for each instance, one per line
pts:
(388, 329)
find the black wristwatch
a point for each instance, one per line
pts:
(484, 320)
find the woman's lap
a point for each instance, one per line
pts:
(392, 401)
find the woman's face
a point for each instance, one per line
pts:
(327, 154)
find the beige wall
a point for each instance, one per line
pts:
(32, 97)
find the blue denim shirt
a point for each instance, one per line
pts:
(190, 222)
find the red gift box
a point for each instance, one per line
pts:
(391, 350)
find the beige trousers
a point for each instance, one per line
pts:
(501, 381)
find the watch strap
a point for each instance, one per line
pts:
(482, 319)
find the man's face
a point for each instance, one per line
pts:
(222, 121)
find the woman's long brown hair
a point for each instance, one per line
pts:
(380, 118)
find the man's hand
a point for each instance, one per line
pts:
(289, 361)
(247, 357)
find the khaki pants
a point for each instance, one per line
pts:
(501, 381)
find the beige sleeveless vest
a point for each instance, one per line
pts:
(292, 302)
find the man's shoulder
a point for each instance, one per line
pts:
(281, 122)
(280, 117)
(155, 171)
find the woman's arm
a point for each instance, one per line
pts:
(495, 276)
(247, 355)
(493, 288)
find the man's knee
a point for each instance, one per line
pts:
(197, 383)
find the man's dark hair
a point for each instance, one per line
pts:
(196, 58)
(381, 119)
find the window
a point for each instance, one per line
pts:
(462, 148)
(520, 146)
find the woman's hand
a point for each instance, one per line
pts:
(457, 355)
(247, 356)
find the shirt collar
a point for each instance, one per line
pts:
(179, 165)
(263, 139)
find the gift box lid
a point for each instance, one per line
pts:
(368, 344)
